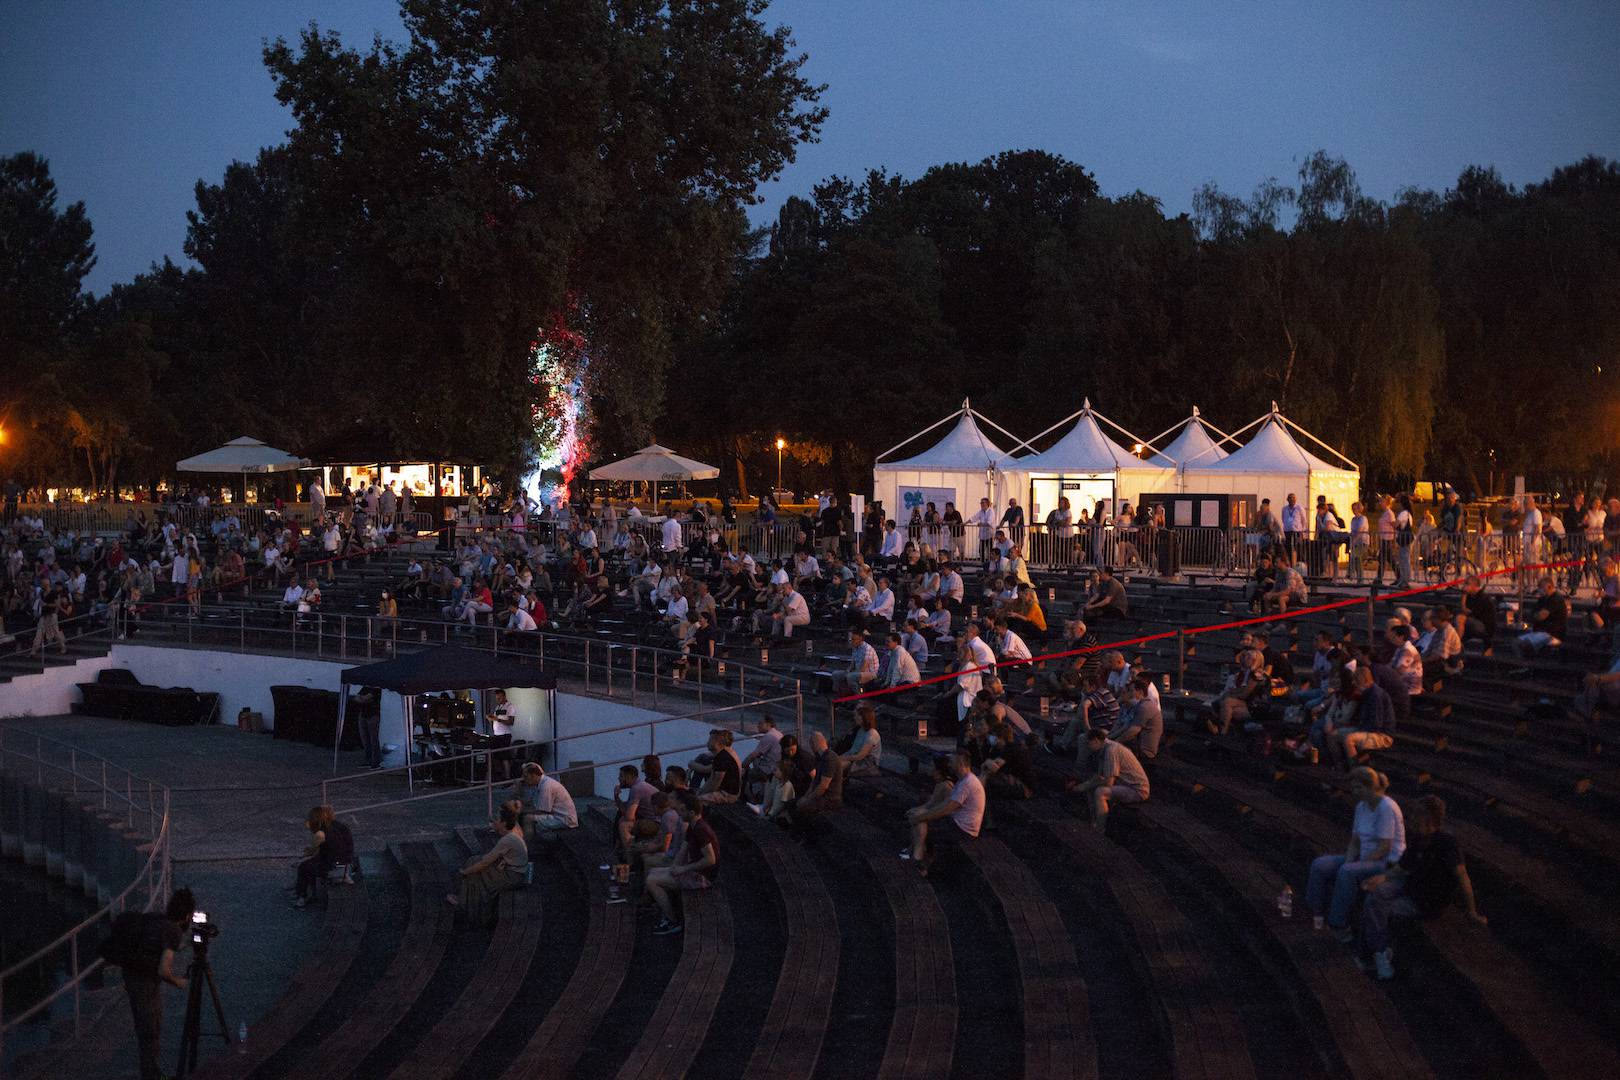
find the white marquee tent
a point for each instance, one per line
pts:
(1193, 446)
(1085, 465)
(961, 468)
(1273, 464)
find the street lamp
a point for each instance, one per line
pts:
(781, 444)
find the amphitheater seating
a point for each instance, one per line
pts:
(1155, 951)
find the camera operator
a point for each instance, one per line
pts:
(150, 967)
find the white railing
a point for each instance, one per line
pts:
(52, 763)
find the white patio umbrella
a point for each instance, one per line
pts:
(655, 464)
(242, 456)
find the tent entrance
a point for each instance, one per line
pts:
(1084, 492)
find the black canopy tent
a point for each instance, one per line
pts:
(444, 668)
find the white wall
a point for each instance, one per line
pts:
(50, 693)
(243, 680)
(672, 740)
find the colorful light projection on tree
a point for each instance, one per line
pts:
(557, 359)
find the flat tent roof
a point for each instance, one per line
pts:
(448, 667)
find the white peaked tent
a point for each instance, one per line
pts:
(961, 468)
(1085, 465)
(1272, 464)
(1193, 446)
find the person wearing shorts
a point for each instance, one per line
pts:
(1120, 778)
(693, 871)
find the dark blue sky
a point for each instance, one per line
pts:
(133, 102)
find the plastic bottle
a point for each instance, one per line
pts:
(1285, 902)
(241, 1037)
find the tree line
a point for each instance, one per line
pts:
(579, 172)
(1465, 335)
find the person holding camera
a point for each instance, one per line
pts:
(148, 963)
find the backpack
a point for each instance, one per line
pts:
(126, 945)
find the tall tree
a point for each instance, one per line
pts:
(511, 160)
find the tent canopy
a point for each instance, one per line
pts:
(963, 447)
(1193, 446)
(1272, 450)
(448, 667)
(1084, 449)
(655, 463)
(242, 455)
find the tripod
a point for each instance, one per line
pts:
(199, 972)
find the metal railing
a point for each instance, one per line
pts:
(53, 763)
(110, 518)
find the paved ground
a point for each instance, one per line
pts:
(239, 803)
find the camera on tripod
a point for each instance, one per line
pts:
(202, 931)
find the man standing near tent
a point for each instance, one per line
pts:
(985, 521)
(1012, 519)
(1294, 523)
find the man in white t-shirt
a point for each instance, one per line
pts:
(964, 810)
(672, 536)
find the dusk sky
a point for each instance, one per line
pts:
(134, 102)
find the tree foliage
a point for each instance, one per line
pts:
(1418, 337)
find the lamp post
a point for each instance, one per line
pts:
(781, 444)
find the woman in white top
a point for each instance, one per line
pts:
(1377, 840)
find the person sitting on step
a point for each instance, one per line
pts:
(961, 815)
(1117, 777)
(331, 845)
(695, 869)
(485, 877)
(1429, 877)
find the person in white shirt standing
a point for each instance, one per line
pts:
(985, 520)
(1294, 523)
(672, 537)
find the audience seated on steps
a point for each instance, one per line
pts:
(761, 763)
(865, 754)
(957, 818)
(694, 869)
(863, 666)
(544, 803)
(899, 667)
(485, 877)
(634, 818)
(822, 789)
(1429, 877)
(1107, 600)
(1116, 777)
(1097, 710)
(1377, 841)
(331, 845)
(1547, 621)
(721, 774)
(778, 793)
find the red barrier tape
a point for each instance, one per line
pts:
(1233, 625)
